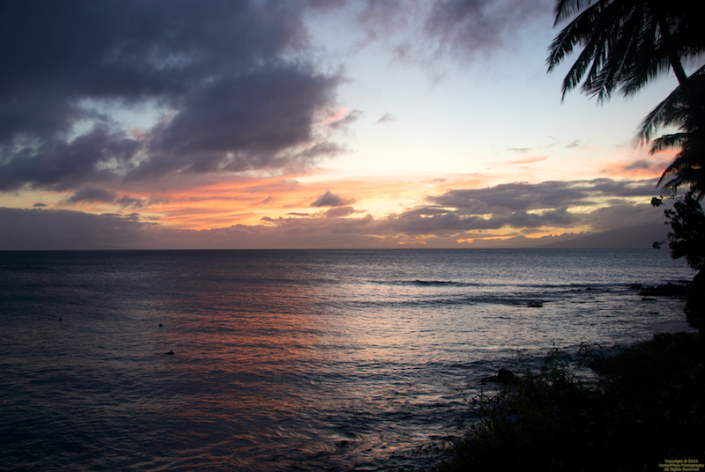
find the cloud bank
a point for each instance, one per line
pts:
(452, 219)
(230, 87)
(230, 84)
(468, 29)
(329, 199)
(126, 104)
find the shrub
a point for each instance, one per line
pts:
(647, 407)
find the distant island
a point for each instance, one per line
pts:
(632, 237)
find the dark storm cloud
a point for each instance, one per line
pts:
(559, 218)
(127, 201)
(39, 205)
(621, 188)
(527, 207)
(329, 199)
(545, 195)
(641, 164)
(61, 164)
(64, 229)
(223, 71)
(240, 123)
(454, 223)
(339, 212)
(444, 225)
(99, 195)
(620, 216)
(92, 194)
(470, 28)
(647, 165)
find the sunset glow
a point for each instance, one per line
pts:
(346, 119)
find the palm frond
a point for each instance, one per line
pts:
(658, 116)
(573, 34)
(615, 62)
(669, 141)
(566, 8)
(694, 179)
(680, 109)
(626, 44)
(623, 43)
(688, 167)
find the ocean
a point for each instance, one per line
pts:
(289, 360)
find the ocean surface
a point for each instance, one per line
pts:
(288, 360)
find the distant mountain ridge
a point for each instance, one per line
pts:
(639, 236)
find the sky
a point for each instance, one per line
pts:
(308, 124)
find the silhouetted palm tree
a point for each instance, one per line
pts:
(685, 111)
(626, 43)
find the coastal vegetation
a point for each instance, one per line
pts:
(687, 239)
(646, 409)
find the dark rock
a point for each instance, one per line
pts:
(535, 304)
(635, 286)
(160, 325)
(598, 289)
(667, 290)
(503, 376)
(648, 299)
(170, 353)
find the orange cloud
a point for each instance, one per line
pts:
(335, 115)
(527, 160)
(209, 202)
(234, 200)
(645, 167)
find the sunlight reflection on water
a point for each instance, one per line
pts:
(313, 359)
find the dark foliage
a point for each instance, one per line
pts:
(695, 302)
(684, 108)
(625, 43)
(647, 407)
(628, 43)
(687, 239)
